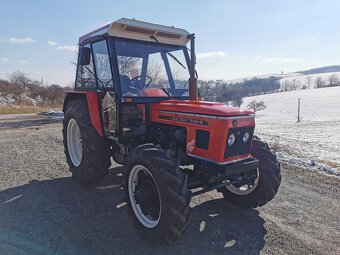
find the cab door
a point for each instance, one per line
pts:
(102, 66)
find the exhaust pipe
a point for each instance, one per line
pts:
(193, 90)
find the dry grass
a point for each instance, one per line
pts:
(21, 109)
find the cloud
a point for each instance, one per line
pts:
(70, 48)
(21, 40)
(4, 59)
(22, 61)
(52, 43)
(211, 54)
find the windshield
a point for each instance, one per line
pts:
(150, 69)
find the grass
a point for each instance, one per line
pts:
(21, 109)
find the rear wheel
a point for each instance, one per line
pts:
(157, 195)
(87, 153)
(265, 182)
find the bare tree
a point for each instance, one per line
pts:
(159, 78)
(237, 101)
(295, 84)
(127, 64)
(256, 106)
(21, 81)
(308, 81)
(286, 86)
(333, 80)
(320, 83)
(206, 91)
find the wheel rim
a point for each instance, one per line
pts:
(144, 196)
(245, 189)
(74, 142)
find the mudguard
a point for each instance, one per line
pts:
(92, 104)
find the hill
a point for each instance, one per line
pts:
(325, 69)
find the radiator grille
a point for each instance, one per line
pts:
(239, 148)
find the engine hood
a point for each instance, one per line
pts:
(200, 107)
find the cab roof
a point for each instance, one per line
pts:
(140, 30)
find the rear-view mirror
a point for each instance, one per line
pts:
(84, 56)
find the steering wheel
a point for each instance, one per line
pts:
(138, 80)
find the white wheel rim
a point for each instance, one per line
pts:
(245, 189)
(146, 220)
(74, 142)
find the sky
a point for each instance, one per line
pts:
(234, 38)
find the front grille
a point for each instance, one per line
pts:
(239, 148)
(202, 139)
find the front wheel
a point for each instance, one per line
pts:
(266, 181)
(157, 195)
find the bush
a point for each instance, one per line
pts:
(26, 91)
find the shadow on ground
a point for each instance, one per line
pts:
(61, 217)
(24, 122)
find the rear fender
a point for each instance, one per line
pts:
(92, 104)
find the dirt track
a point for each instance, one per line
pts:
(42, 211)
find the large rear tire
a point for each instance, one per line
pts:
(266, 183)
(87, 153)
(157, 195)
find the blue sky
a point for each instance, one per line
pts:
(234, 38)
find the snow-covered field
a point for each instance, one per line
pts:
(314, 142)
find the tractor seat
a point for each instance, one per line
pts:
(152, 92)
(126, 84)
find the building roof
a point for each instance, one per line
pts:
(140, 30)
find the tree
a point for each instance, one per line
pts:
(308, 81)
(237, 99)
(295, 84)
(21, 81)
(127, 64)
(206, 91)
(333, 80)
(320, 83)
(256, 106)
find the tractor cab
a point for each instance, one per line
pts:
(133, 62)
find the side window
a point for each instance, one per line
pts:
(85, 77)
(102, 64)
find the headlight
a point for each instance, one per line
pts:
(246, 137)
(231, 140)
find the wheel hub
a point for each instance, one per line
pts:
(247, 187)
(144, 196)
(74, 142)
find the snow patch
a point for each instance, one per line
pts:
(6, 99)
(55, 115)
(308, 164)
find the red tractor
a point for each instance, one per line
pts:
(136, 101)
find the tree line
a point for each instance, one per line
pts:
(234, 92)
(308, 83)
(26, 91)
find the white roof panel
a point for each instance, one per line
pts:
(140, 30)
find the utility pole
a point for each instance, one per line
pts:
(299, 99)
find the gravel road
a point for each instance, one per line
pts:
(42, 211)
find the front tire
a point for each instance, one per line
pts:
(87, 153)
(266, 183)
(157, 195)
